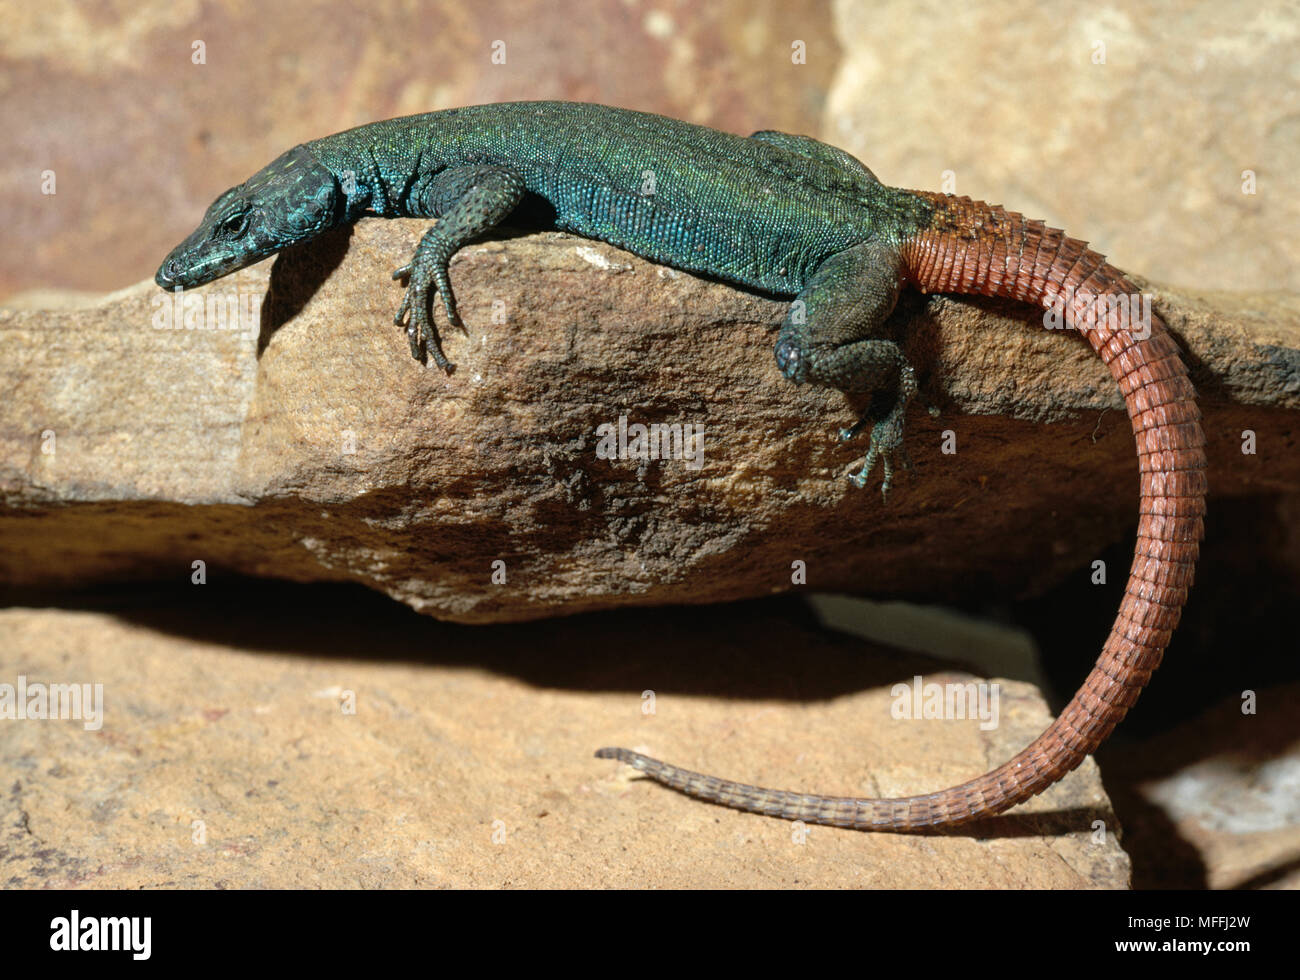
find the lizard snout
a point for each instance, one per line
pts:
(167, 273)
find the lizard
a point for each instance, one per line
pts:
(790, 216)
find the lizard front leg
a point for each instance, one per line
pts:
(467, 201)
(831, 336)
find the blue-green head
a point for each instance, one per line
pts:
(292, 199)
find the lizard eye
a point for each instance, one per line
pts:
(233, 226)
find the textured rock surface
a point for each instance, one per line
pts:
(226, 758)
(312, 447)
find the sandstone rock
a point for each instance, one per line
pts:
(263, 738)
(310, 446)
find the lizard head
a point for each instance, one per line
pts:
(290, 200)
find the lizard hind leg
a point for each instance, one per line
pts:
(833, 336)
(467, 201)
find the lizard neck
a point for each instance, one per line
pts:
(365, 191)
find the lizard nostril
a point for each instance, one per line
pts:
(168, 273)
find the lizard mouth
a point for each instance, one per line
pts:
(169, 274)
(186, 268)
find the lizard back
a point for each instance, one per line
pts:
(670, 191)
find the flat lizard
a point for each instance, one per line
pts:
(790, 216)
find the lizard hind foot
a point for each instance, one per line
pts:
(886, 446)
(863, 476)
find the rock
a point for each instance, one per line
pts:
(1215, 802)
(1170, 143)
(313, 447)
(298, 439)
(276, 736)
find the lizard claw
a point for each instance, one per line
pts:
(860, 478)
(850, 431)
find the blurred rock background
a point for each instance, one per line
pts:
(1129, 124)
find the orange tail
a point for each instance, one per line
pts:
(972, 247)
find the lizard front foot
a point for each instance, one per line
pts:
(428, 273)
(414, 315)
